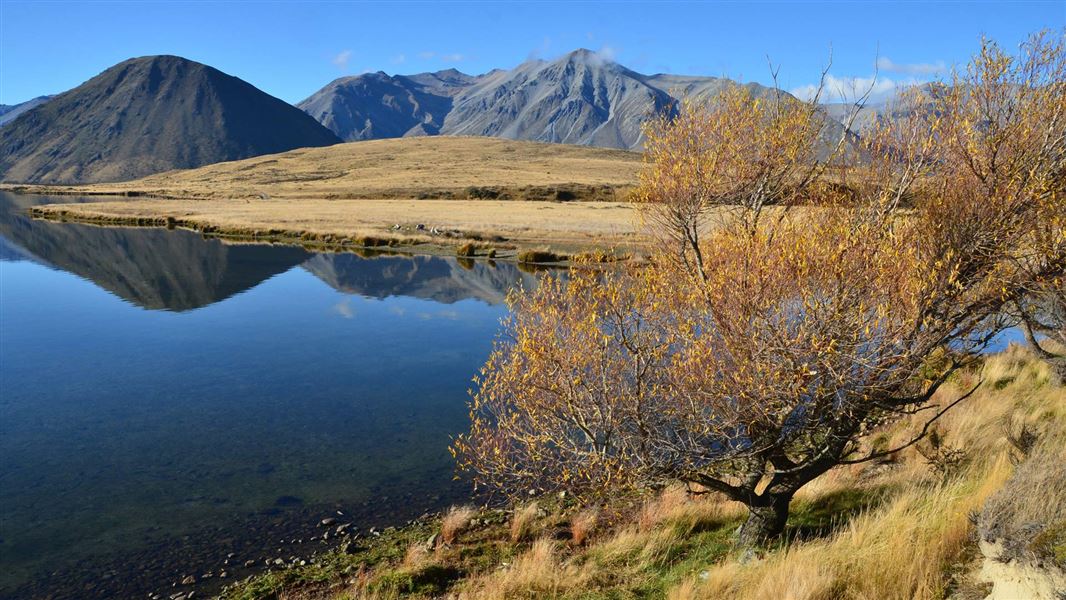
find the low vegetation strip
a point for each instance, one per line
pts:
(565, 227)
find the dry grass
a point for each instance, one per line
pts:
(425, 167)
(523, 522)
(662, 507)
(454, 522)
(538, 573)
(569, 225)
(583, 525)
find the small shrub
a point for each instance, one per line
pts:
(467, 249)
(944, 460)
(454, 522)
(539, 256)
(1022, 438)
(523, 521)
(492, 253)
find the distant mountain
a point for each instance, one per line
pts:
(147, 115)
(885, 108)
(580, 98)
(8, 112)
(376, 105)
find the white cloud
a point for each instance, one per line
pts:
(887, 64)
(839, 89)
(399, 59)
(426, 55)
(607, 53)
(452, 57)
(341, 60)
(344, 308)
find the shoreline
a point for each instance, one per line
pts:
(203, 561)
(454, 228)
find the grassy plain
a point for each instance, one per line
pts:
(523, 193)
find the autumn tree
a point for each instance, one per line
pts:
(753, 357)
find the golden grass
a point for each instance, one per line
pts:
(564, 225)
(583, 525)
(538, 573)
(523, 522)
(423, 167)
(454, 522)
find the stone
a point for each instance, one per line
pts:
(188, 580)
(328, 521)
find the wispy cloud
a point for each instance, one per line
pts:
(887, 64)
(399, 59)
(341, 60)
(455, 57)
(426, 55)
(344, 308)
(838, 89)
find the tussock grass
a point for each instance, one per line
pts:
(583, 525)
(454, 522)
(523, 522)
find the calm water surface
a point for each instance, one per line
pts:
(166, 400)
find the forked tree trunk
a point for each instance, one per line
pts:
(767, 516)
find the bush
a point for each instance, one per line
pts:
(467, 249)
(539, 256)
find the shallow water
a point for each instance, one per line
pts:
(166, 398)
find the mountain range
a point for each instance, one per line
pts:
(579, 98)
(159, 113)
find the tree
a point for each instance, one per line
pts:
(753, 358)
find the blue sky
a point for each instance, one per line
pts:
(290, 49)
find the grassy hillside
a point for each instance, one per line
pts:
(906, 528)
(419, 167)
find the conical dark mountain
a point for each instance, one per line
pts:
(580, 98)
(152, 268)
(147, 115)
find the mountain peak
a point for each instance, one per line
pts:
(150, 114)
(587, 57)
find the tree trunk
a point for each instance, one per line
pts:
(766, 519)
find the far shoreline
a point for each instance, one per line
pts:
(468, 229)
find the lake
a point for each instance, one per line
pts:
(169, 403)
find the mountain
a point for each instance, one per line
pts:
(577, 99)
(580, 98)
(896, 105)
(148, 115)
(8, 112)
(444, 280)
(376, 105)
(155, 269)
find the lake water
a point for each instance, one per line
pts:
(166, 400)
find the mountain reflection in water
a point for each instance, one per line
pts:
(180, 270)
(168, 399)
